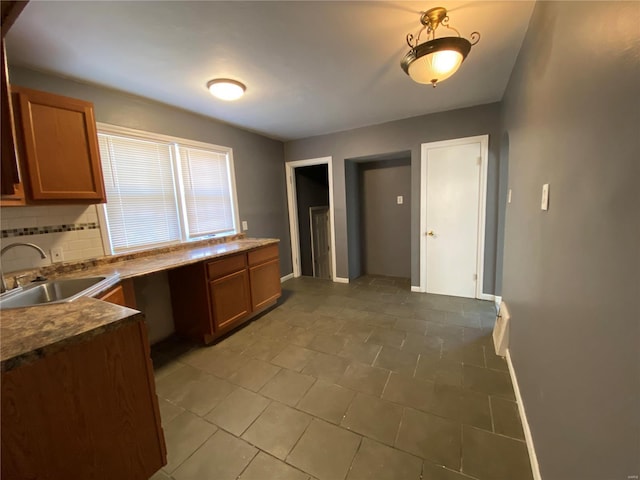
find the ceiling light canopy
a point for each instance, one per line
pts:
(437, 59)
(226, 89)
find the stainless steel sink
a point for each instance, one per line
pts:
(56, 291)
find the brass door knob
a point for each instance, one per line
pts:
(431, 234)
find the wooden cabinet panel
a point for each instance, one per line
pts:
(263, 254)
(122, 294)
(265, 284)
(88, 411)
(58, 148)
(9, 177)
(230, 300)
(227, 265)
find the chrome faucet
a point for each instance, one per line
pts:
(3, 284)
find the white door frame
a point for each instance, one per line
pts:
(482, 207)
(293, 211)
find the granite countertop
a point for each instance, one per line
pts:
(29, 333)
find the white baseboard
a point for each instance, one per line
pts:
(498, 301)
(341, 280)
(286, 277)
(535, 468)
(416, 289)
(487, 296)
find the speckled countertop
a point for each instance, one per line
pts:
(29, 333)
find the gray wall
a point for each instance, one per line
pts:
(312, 189)
(408, 134)
(258, 165)
(385, 226)
(572, 112)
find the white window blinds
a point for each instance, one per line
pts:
(163, 189)
(207, 191)
(141, 197)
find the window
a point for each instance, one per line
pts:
(163, 190)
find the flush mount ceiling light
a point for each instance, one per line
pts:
(226, 89)
(437, 59)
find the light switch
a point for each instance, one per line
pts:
(245, 225)
(509, 196)
(544, 204)
(400, 199)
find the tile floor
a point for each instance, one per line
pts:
(357, 381)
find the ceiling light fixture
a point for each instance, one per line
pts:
(226, 89)
(437, 59)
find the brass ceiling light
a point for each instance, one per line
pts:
(437, 59)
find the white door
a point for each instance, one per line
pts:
(454, 216)
(320, 244)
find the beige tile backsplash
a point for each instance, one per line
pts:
(76, 245)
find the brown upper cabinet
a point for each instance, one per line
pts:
(57, 146)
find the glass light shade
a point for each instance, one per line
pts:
(435, 60)
(435, 67)
(226, 89)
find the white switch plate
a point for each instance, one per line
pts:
(56, 255)
(400, 199)
(544, 204)
(245, 225)
(509, 196)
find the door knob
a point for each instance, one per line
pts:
(431, 234)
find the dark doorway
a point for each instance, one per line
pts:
(312, 191)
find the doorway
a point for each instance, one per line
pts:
(310, 190)
(378, 200)
(452, 216)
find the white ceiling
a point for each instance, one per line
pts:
(310, 67)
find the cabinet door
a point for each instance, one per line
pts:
(122, 294)
(230, 300)
(58, 147)
(265, 284)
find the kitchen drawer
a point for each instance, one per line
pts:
(263, 254)
(225, 266)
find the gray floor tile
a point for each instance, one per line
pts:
(430, 437)
(491, 382)
(160, 475)
(327, 401)
(422, 344)
(475, 409)
(302, 339)
(172, 384)
(364, 378)
(287, 387)
(423, 395)
(506, 418)
(236, 412)
(360, 352)
(277, 430)
(254, 374)
(411, 325)
(201, 395)
(431, 471)
(381, 320)
(489, 456)
(374, 418)
(266, 349)
(222, 457)
(355, 330)
(327, 367)
(440, 371)
(377, 461)
(385, 336)
(219, 362)
(397, 360)
(328, 343)
(168, 411)
(293, 357)
(325, 451)
(265, 467)
(183, 435)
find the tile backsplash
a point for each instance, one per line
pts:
(74, 228)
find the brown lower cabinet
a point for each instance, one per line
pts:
(213, 297)
(88, 411)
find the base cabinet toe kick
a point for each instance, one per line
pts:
(211, 298)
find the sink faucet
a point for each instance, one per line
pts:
(3, 284)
